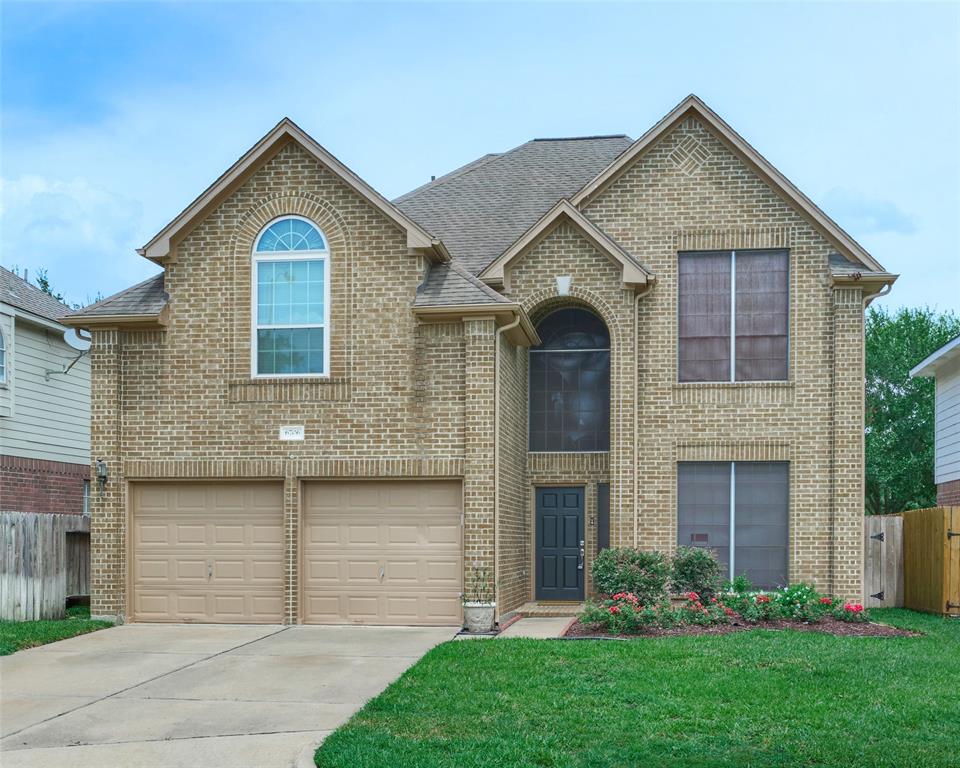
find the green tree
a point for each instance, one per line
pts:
(899, 410)
(43, 283)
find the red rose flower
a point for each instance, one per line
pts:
(826, 601)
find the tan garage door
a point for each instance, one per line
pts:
(382, 552)
(208, 552)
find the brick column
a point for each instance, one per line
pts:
(291, 537)
(848, 461)
(107, 508)
(478, 479)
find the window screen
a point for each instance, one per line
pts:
(761, 305)
(757, 510)
(703, 508)
(761, 515)
(704, 300)
(569, 376)
(733, 315)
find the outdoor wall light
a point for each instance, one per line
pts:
(101, 474)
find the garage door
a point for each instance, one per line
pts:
(208, 552)
(382, 552)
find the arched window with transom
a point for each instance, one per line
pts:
(569, 395)
(291, 300)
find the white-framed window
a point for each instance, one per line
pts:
(291, 300)
(3, 358)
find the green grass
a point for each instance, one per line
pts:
(760, 698)
(17, 635)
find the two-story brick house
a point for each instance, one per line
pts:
(333, 408)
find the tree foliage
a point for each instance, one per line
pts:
(899, 410)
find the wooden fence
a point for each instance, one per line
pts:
(43, 559)
(883, 561)
(931, 560)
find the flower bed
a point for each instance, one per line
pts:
(798, 606)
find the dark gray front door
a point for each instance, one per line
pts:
(559, 544)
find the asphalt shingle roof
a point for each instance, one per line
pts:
(17, 292)
(481, 209)
(146, 298)
(840, 266)
(450, 284)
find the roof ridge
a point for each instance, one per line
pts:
(584, 138)
(456, 173)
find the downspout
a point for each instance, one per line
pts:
(496, 463)
(636, 410)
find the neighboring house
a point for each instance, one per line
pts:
(944, 366)
(332, 408)
(44, 404)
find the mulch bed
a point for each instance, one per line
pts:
(829, 625)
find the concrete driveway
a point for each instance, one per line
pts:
(167, 696)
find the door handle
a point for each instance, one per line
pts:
(209, 570)
(580, 559)
(381, 573)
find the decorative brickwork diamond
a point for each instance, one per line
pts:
(690, 155)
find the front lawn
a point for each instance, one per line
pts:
(761, 698)
(17, 635)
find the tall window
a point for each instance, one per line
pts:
(3, 358)
(291, 300)
(733, 321)
(570, 383)
(741, 511)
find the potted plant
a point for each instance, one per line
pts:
(478, 604)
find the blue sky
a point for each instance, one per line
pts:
(116, 115)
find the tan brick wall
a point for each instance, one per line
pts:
(815, 420)
(180, 403)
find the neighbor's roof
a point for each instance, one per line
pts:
(451, 284)
(946, 354)
(146, 299)
(481, 209)
(17, 292)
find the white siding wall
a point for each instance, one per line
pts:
(947, 464)
(47, 419)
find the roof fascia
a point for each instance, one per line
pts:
(634, 275)
(104, 322)
(759, 164)
(158, 248)
(524, 334)
(929, 365)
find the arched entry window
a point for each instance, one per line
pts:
(570, 383)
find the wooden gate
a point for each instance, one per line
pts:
(882, 561)
(931, 560)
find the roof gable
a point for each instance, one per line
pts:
(754, 160)
(634, 274)
(285, 131)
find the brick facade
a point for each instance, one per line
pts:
(36, 485)
(948, 494)
(425, 400)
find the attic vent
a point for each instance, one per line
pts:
(689, 155)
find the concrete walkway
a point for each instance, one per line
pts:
(540, 628)
(177, 696)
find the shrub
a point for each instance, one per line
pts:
(752, 608)
(695, 611)
(643, 574)
(740, 585)
(694, 569)
(621, 614)
(801, 602)
(852, 612)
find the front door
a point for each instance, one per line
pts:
(559, 544)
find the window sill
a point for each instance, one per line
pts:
(734, 392)
(307, 389)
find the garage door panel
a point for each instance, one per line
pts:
(208, 552)
(382, 552)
